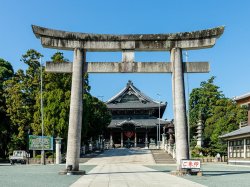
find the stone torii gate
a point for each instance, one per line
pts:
(80, 43)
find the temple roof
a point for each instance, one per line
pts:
(131, 97)
(240, 132)
(237, 98)
(149, 122)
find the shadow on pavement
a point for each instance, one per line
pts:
(109, 173)
(123, 152)
(219, 173)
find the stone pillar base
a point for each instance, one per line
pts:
(65, 172)
(184, 172)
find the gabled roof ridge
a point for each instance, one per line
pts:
(147, 97)
(141, 94)
(129, 85)
(117, 95)
(136, 90)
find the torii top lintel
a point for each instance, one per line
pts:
(51, 38)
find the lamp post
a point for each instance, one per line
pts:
(53, 139)
(159, 123)
(159, 126)
(41, 90)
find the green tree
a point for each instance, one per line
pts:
(226, 118)
(16, 110)
(96, 117)
(219, 115)
(56, 100)
(21, 93)
(202, 101)
(22, 100)
(32, 87)
(6, 72)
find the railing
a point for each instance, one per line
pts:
(212, 159)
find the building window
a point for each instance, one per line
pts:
(248, 148)
(248, 141)
(236, 149)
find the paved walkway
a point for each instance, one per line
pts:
(124, 167)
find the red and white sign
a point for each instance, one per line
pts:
(190, 164)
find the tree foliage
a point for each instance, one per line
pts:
(56, 99)
(20, 94)
(6, 72)
(96, 117)
(20, 100)
(219, 115)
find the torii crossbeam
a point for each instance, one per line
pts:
(80, 43)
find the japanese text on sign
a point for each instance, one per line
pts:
(190, 164)
(37, 143)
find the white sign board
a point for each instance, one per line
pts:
(190, 164)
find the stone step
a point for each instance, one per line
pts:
(162, 157)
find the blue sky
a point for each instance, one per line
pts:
(229, 58)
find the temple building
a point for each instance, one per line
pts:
(136, 119)
(238, 141)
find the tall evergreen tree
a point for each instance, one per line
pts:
(226, 118)
(17, 108)
(32, 85)
(22, 98)
(96, 117)
(21, 92)
(6, 72)
(219, 115)
(56, 100)
(202, 101)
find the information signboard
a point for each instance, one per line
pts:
(190, 164)
(35, 142)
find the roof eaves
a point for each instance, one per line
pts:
(242, 96)
(241, 131)
(117, 95)
(136, 90)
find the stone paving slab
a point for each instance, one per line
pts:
(130, 175)
(124, 167)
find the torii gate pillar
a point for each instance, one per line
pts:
(75, 114)
(179, 106)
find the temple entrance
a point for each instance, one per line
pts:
(80, 43)
(129, 134)
(127, 139)
(136, 118)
